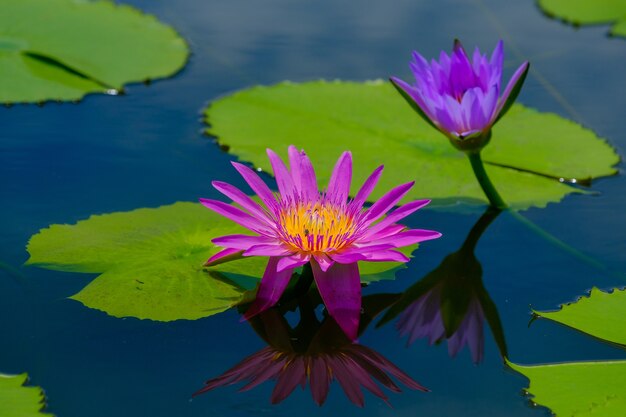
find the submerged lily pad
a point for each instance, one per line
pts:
(64, 49)
(589, 12)
(578, 389)
(151, 262)
(601, 314)
(529, 152)
(18, 400)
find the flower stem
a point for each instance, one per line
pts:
(485, 183)
(479, 228)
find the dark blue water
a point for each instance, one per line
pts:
(63, 162)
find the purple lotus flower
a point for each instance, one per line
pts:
(459, 96)
(302, 225)
(314, 354)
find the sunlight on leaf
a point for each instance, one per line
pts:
(64, 49)
(18, 400)
(150, 262)
(529, 153)
(589, 12)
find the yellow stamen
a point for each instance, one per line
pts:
(317, 227)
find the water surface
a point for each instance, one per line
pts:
(63, 162)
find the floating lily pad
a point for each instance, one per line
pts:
(64, 49)
(17, 400)
(600, 314)
(594, 389)
(589, 12)
(585, 388)
(151, 262)
(529, 152)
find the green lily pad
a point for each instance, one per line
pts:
(619, 28)
(528, 154)
(64, 49)
(589, 12)
(584, 388)
(150, 262)
(594, 389)
(601, 314)
(17, 400)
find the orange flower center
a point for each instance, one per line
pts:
(316, 227)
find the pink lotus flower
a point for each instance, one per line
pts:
(461, 96)
(312, 353)
(302, 225)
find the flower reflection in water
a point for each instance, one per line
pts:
(316, 353)
(450, 303)
(423, 319)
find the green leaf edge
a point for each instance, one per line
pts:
(549, 315)
(22, 384)
(617, 25)
(366, 278)
(120, 89)
(528, 390)
(155, 20)
(458, 204)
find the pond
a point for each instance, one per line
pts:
(62, 162)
